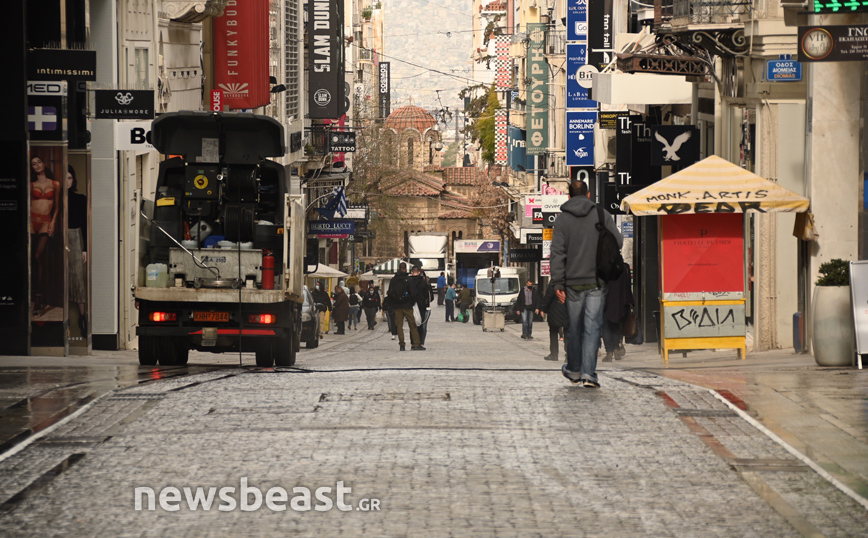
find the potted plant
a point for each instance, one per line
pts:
(366, 13)
(832, 321)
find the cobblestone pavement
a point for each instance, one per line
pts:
(478, 436)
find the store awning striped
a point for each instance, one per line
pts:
(713, 185)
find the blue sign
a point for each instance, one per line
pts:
(627, 229)
(517, 150)
(580, 138)
(783, 69)
(577, 20)
(577, 95)
(331, 227)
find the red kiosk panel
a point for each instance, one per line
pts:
(702, 253)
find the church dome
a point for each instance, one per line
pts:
(410, 116)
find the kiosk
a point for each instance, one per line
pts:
(699, 211)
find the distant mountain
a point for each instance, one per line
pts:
(416, 32)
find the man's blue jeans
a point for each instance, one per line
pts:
(585, 315)
(526, 322)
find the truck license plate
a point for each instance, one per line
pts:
(210, 316)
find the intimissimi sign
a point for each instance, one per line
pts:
(325, 69)
(241, 54)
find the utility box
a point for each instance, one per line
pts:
(492, 320)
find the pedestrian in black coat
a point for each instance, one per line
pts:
(555, 313)
(619, 301)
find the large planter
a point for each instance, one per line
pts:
(832, 326)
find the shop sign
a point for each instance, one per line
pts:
(241, 54)
(531, 203)
(580, 138)
(385, 88)
(524, 255)
(545, 268)
(845, 43)
(577, 20)
(325, 68)
(61, 64)
(133, 136)
(331, 228)
(610, 120)
(601, 37)
(124, 104)
(578, 76)
(475, 245)
(674, 145)
(538, 91)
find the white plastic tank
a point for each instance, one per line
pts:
(157, 275)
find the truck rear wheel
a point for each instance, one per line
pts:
(172, 351)
(147, 350)
(265, 355)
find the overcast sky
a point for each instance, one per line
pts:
(416, 32)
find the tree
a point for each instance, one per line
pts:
(483, 128)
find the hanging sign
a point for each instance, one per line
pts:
(578, 75)
(580, 138)
(601, 36)
(325, 70)
(124, 104)
(331, 228)
(523, 255)
(577, 20)
(674, 145)
(385, 89)
(61, 64)
(538, 92)
(241, 54)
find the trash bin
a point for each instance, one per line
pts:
(492, 320)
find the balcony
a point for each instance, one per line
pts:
(556, 43)
(713, 25)
(725, 13)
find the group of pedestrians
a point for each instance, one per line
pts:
(406, 293)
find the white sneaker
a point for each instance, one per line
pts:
(393, 337)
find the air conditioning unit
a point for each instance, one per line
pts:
(604, 146)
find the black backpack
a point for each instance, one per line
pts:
(610, 264)
(354, 299)
(399, 289)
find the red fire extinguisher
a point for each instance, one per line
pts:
(267, 270)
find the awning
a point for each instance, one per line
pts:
(324, 271)
(713, 185)
(388, 268)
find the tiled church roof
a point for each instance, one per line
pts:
(410, 116)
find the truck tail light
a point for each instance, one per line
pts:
(163, 316)
(263, 319)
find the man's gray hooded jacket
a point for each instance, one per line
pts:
(574, 245)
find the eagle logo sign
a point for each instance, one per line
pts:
(671, 150)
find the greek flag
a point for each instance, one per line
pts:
(337, 206)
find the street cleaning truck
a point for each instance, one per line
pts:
(222, 242)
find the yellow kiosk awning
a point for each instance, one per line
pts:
(713, 185)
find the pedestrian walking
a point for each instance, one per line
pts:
(371, 305)
(441, 288)
(401, 299)
(355, 304)
(464, 300)
(422, 293)
(450, 296)
(574, 276)
(389, 313)
(341, 310)
(619, 301)
(324, 305)
(526, 306)
(555, 313)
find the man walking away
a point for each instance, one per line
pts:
(321, 297)
(441, 288)
(556, 316)
(450, 302)
(371, 305)
(401, 300)
(421, 292)
(618, 303)
(341, 309)
(574, 276)
(526, 306)
(464, 300)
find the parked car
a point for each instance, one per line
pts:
(309, 320)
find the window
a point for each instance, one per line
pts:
(293, 89)
(410, 151)
(142, 72)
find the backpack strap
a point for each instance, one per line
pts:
(601, 226)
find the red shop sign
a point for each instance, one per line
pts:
(241, 54)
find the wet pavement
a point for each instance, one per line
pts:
(476, 436)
